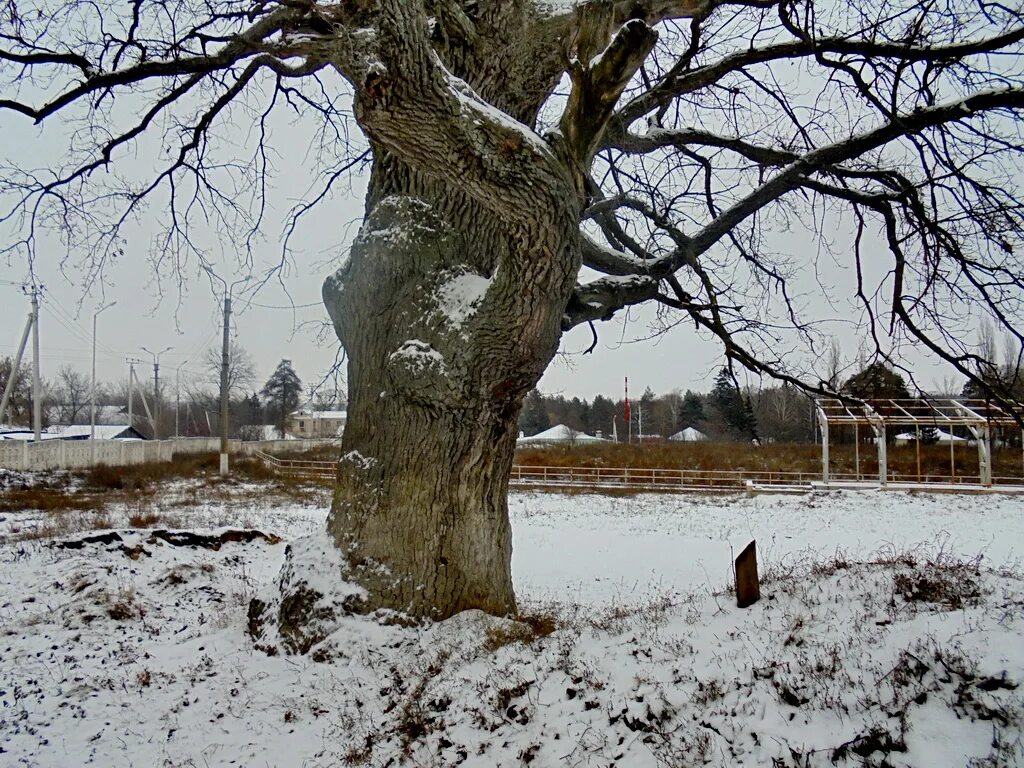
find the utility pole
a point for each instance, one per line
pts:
(177, 399)
(92, 395)
(37, 405)
(156, 389)
(135, 379)
(224, 361)
(16, 366)
(131, 392)
(629, 418)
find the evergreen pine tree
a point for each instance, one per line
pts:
(534, 416)
(282, 391)
(691, 412)
(737, 410)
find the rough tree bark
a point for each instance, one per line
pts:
(452, 303)
(449, 312)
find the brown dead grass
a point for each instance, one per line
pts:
(775, 457)
(139, 485)
(143, 519)
(44, 500)
(61, 524)
(526, 629)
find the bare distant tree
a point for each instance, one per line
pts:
(833, 366)
(70, 396)
(241, 369)
(687, 134)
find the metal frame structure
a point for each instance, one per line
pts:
(977, 416)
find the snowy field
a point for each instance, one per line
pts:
(890, 634)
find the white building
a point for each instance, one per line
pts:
(306, 424)
(688, 435)
(557, 435)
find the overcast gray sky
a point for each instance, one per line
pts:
(270, 330)
(158, 313)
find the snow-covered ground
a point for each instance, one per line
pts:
(132, 651)
(592, 548)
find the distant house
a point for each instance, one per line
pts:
(306, 424)
(940, 437)
(103, 432)
(114, 415)
(557, 435)
(688, 435)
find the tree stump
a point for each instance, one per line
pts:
(748, 585)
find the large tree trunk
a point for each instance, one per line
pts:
(443, 345)
(450, 307)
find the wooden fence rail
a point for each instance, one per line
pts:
(636, 478)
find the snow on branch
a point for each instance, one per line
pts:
(413, 105)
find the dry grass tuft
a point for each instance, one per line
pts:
(525, 629)
(143, 519)
(124, 606)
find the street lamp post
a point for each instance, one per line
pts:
(225, 361)
(92, 397)
(156, 389)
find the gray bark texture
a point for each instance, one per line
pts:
(452, 301)
(453, 298)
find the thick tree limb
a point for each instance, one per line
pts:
(417, 109)
(601, 299)
(597, 87)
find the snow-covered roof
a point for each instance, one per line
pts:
(103, 431)
(559, 434)
(27, 435)
(944, 437)
(321, 414)
(689, 435)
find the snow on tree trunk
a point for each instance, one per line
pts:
(450, 307)
(449, 316)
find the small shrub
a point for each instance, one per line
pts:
(125, 607)
(525, 629)
(143, 519)
(951, 586)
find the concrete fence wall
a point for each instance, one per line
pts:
(82, 454)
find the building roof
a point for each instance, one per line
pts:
(688, 435)
(103, 431)
(321, 414)
(559, 434)
(27, 435)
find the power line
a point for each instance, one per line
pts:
(71, 325)
(104, 347)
